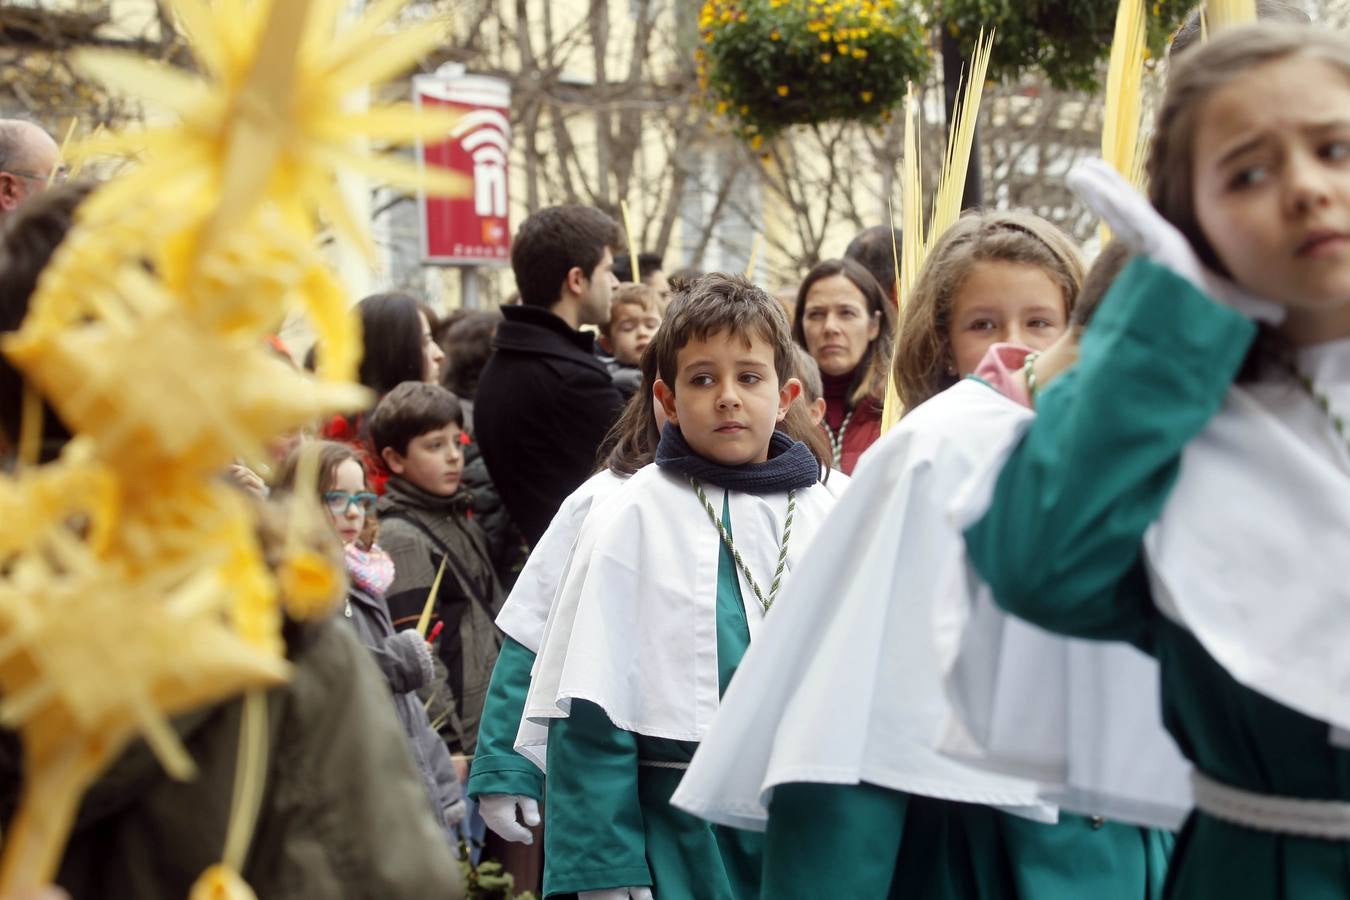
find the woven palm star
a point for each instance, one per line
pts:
(272, 115)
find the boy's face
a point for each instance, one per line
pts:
(630, 331)
(726, 398)
(433, 462)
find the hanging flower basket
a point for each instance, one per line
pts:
(1067, 40)
(769, 64)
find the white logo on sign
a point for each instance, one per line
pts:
(484, 134)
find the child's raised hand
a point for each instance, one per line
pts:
(1134, 221)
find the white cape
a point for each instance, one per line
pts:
(1251, 551)
(634, 629)
(842, 686)
(1248, 555)
(1082, 718)
(526, 609)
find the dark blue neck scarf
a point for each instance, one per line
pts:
(790, 465)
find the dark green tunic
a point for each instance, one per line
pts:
(497, 767)
(863, 842)
(609, 818)
(1060, 546)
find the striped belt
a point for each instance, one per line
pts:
(1325, 819)
(662, 764)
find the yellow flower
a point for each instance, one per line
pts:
(309, 585)
(756, 142)
(774, 35)
(867, 96)
(782, 90)
(221, 883)
(825, 57)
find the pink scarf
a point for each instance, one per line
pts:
(370, 570)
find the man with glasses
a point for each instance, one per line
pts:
(29, 161)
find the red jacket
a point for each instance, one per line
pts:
(864, 425)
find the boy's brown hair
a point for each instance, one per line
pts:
(717, 303)
(923, 350)
(411, 410)
(642, 296)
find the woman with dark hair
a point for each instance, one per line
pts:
(396, 331)
(398, 347)
(844, 321)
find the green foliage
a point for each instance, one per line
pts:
(768, 64)
(1065, 39)
(487, 880)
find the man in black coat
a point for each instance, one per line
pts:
(544, 401)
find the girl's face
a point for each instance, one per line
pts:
(1003, 303)
(432, 355)
(344, 498)
(836, 325)
(1272, 189)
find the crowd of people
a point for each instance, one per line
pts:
(642, 603)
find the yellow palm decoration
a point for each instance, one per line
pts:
(141, 585)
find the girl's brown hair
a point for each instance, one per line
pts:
(1193, 80)
(331, 455)
(869, 380)
(631, 443)
(923, 356)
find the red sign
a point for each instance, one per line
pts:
(471, 230)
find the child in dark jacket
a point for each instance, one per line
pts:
(404, 658)
(440, 555)
(634, 316)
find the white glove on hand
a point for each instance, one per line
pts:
(1134, 221)
(628, 893)
(499, 814)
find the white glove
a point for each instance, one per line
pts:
(499, 814)
(1134, 221)
(626, 893)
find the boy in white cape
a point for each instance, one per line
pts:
(661, 602)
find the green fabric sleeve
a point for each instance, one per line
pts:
(497, 767)
(593, 834)
(840, 841)
(1060, 543)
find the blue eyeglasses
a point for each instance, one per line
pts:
(340, 501)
